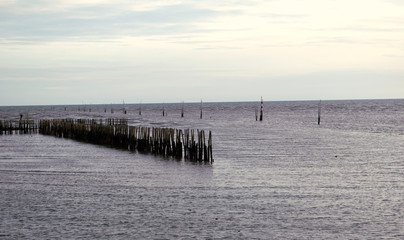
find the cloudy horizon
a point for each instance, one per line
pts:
(95, 51)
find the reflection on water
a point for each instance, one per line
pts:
(285, 177)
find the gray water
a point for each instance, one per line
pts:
(283, 178)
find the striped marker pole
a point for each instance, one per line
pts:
(262, 109)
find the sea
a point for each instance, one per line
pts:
(285, 177)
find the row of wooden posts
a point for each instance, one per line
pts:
(21, 126)
(167, 142)
(201, 114)
(124, 110)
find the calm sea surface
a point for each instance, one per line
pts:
(283, 178)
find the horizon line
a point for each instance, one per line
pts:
(198, 102)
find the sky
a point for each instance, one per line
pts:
(100, 51)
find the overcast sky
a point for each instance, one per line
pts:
(102, 51)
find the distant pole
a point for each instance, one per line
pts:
(163, 110)
(319, 113)
(140, 108)
(201, 108)
(262, 109)
(256, 113)
(182, 109)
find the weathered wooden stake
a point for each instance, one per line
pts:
(262, 109)
(201, 108)
(210, 147)
(182, 109)
(319, 113)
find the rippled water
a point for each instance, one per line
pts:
(283, 178)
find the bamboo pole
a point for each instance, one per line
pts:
(201, 108)
(182, 109)
(262, 109)
(319, 113)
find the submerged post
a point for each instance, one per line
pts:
(262, 109)
(319, 113)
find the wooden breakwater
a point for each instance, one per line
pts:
(18, 126)
(167, 142)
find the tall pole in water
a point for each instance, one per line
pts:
(262, 109)
(319, 113)
(201, 108)
(182, 109)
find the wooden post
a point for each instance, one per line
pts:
(182, 109)
(256, 113)
(319, 113)
(262, 109)
(201, 108)
(210, 147)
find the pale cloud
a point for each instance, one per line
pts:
(101, 21)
